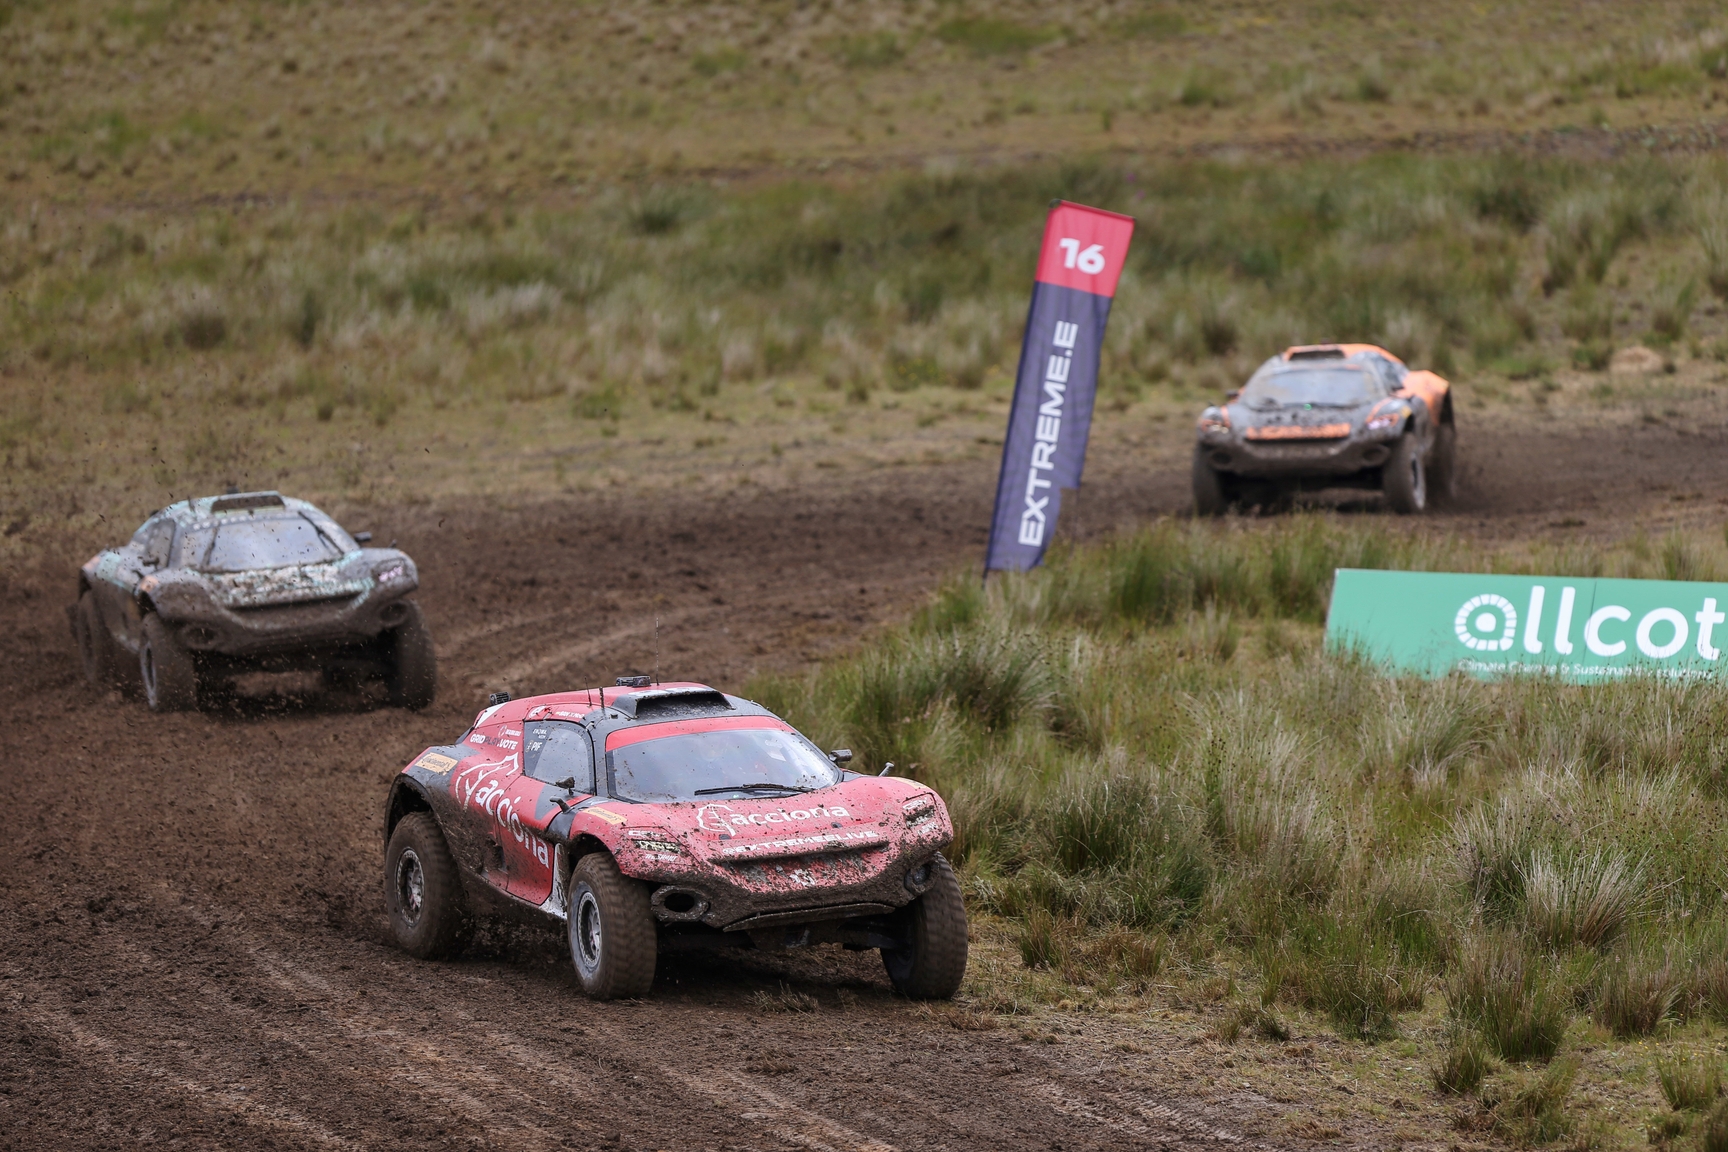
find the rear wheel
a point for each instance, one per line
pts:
(933, 962)
(1443, 465)
(166, 668)
(411, 668)
(422, 891)
(1404, 479)
(1210, 497)
(612, 937)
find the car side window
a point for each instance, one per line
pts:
(555, 750)
(158, 542)
(1391, 374)
(190, 548)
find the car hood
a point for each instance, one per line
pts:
(1298, 414)
(295, 584)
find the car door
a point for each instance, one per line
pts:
(153, 557)
(123, 569)
(476, 788)
(558, 765)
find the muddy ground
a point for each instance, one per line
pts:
(192, 948)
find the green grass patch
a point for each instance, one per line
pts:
(993, 36)
(1350, 840)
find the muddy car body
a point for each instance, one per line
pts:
(211, 588)
(643, 818)
(1328, 416)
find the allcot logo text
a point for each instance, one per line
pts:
(1490, 623)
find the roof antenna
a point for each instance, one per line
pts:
(656, 647)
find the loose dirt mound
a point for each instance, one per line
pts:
(192, 949)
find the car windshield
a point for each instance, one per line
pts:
(1335, 386)
(277, 542)
(740, 762)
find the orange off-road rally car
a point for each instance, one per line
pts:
(1328, 416)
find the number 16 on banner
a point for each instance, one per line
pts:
(1048, 426)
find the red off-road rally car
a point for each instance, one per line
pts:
(667, 816)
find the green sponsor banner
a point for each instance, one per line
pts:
(1432, 623)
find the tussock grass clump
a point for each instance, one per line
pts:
(1254, 1019)
(1508, 996)
(905, 698)
(1532, 1110)
(1638, 993)
(1492, 845)
(1689, 1082)
(1584, 900)
(1715, 1135)
(1353, 974)
(1116, 956)
(1464, 1061)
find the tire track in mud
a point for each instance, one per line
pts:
(99, 1051)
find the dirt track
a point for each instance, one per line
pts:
(191, 940)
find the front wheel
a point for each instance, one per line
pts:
(612, 937)
(933, 961)
(165, 666)
(1404, 479)
(1443, 468)
(95, 648)
(422, 891)
(1210, 497)
(411, 667)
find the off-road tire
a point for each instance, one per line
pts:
(1404, 478)
(410, 665)
(167, 671)
(933, 962)
(95, 646)
(613, 943)
(1211, 498)
(423, 892)
(1443, 466)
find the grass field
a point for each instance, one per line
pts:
(371, 355)
(379, 252)
(1165, 793)
(181, 99)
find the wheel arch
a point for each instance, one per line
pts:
(578, 847)
(405, 796)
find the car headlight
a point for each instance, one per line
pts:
(390, 570)
(1388, 416)
(654, 840)
(1215, 420)
(918, 809)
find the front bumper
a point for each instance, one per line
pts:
(276, 629)
(1294, 459)
(745, 894)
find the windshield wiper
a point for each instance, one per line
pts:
(760, 786)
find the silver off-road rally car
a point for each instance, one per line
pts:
(1328, 416)
(218, 586)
